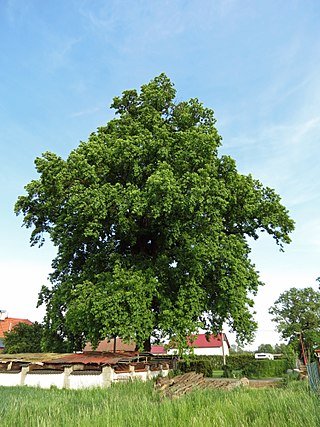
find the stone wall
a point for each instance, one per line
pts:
(72, 379)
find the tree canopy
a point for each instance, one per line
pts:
(266, 348)
(276, 349)
(150, 225)
(297, 311)
(24, 338)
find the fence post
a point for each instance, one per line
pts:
(107, 376)
(131, 370)
(24, 371)
(165, 370)
(149, 376)
(67, 371)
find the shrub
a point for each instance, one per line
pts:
(203, 364)
(265, 368)
(237, 365)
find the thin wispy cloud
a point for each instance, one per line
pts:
(86, 112)
(159, 21)
(15, 10)
(59, 55)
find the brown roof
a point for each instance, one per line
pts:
(9, 323)
(92, 358)
(108, 346)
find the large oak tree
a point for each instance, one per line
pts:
(150, 225)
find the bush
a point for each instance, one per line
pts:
(202, 364)
(266, 368)
(253, 368)
(24, 338)
(237, 365)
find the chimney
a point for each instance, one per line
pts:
(3, 314)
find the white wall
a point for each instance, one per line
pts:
(85, 381)
(45, 380)
(7, 379)
(68, 380)
(205, 351)
(212, 351)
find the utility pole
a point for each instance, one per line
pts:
(223, 352)
(305, 359)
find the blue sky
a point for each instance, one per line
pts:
(256, 63)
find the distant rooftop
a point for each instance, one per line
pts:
(7, 324)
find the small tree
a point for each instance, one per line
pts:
(297, 314)
(265, 348)
(24, 338)
(285, 349)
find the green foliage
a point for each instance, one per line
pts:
(204, 364)
(266, 368)
(253, 368)
(238, 362)
(236, 349)
(298, 311)
(266, 348)
(238, 365)
(24, 338)
(150, 225)
(285, 349)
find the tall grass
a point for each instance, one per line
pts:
(137, 404)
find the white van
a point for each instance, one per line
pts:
(268, 356)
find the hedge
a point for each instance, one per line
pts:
(237, 365)
(202, 364)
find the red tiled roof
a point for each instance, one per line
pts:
(9, 323)
(202, 342)
(108, 345)
(158, 349)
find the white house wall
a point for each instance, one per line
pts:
(205, 351)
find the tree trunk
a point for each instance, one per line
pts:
(147, 345)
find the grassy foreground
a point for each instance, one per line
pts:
(136, 404)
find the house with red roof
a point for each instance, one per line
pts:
(158, 350)
(7, 324)
(207, 345)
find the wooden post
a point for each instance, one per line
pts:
(223, 352)
(305, 359)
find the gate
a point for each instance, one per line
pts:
(314, 377)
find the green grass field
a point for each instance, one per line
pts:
(137, 404)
